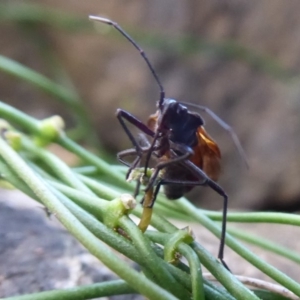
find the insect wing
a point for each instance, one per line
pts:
(207, 155)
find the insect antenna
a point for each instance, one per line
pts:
(223, 124)
(142, 53)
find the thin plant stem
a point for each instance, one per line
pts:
(90, 158)
(241, 250)
(194, 264)
(66, 95)
(97, 248)
(265, 244)
(162, 274)
(234, 287)
(256, 217)
(63, 172)
(103, 289)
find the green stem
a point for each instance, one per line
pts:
(196, 273)
(152, 262)
(86, 170)
(101, 231)
(100, 189)
(272, 272)
(41, 15)
(14, 68)
(189, 254)
(234, 287)
(103, 289)
(208, 261)
(32, 125)
(124, 246)
(109, 236)
(12, 178)
(90, 158)
(60, 169)
(14, 115)
(256, 217)
(213, 294)
(121, 244)
(265, 244)
(97, 248)
(66, 95)
(220, 292)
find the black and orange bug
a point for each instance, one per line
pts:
(187, 155)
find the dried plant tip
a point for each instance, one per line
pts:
(128, 201)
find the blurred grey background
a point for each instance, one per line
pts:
(239, 58)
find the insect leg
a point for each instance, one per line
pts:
(129, 152)
(122, 154)
(124, 115)
(203, 180)
(213, 185)
(216, 188)
(187, 151)
(150, 152)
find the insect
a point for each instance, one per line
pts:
(187, 156)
